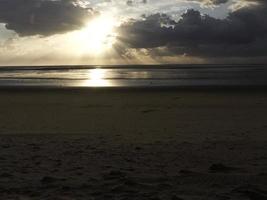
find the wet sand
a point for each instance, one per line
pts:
(133, 144)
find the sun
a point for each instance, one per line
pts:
(97, 36)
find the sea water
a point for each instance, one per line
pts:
(134, 76)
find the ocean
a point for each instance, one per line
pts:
(134, 76)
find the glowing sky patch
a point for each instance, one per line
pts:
(135, 31)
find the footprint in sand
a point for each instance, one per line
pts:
(252, 192)
(149, 111)
(221, 168)
(114, 175)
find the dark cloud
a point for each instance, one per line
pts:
(132, 2)
(242, 33)
(219, 1)
(129, 2)
(209, 2)
(147, 33)
(43, 17)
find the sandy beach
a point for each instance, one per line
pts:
(133, 144)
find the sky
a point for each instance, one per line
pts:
(60, 32)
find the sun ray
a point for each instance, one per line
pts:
(96, 37)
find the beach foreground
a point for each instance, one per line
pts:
(131, 144)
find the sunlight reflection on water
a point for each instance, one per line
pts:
(97, 78)
(133, 76)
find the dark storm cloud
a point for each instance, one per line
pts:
(42, 17)
(215, 2)
(242, 33)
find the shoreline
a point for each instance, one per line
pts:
(122, 66)
(200, 88)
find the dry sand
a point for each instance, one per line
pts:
(104, 144)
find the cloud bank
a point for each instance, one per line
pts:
(43, 17)
(243, 33)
